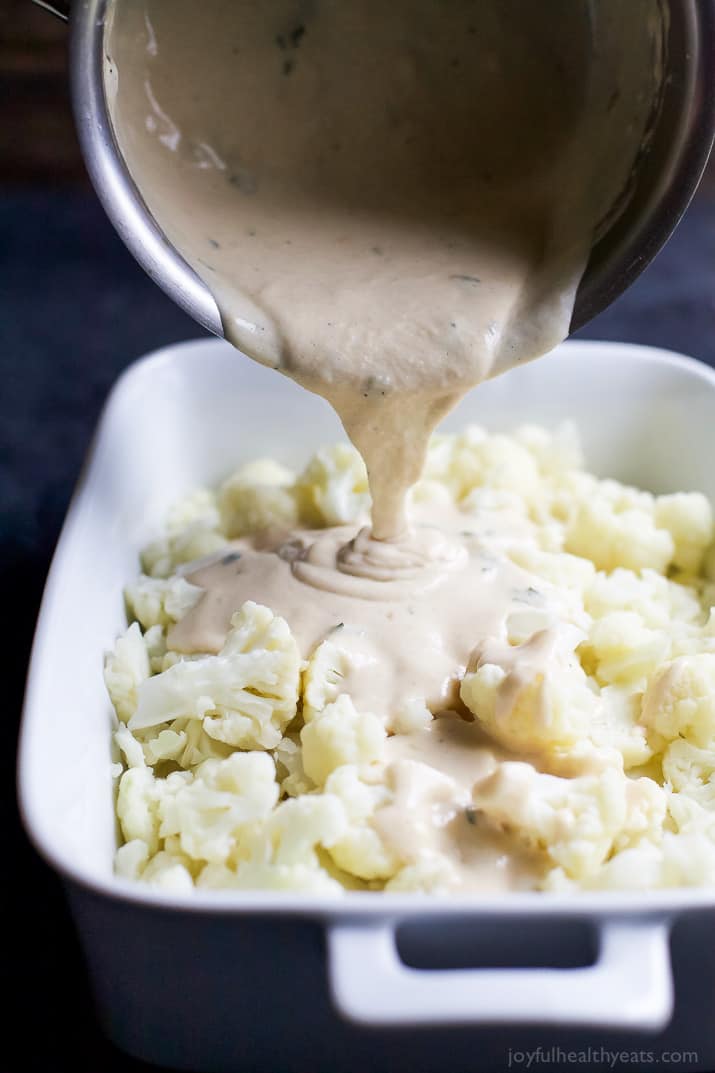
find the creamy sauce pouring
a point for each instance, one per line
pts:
(390, 203)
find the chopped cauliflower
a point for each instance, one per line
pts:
(361, 850)
(259, 495)
(288, 755)
(688, 517)
(682, 860)
(196, 541)
(614, 533)
(579, 747)
(333, 488)
(323, 676)
(161, 601)
(623, 650)
(578, 822)
(125, 669)
(281, 853)
(216, 807)
(131, 858)
(690, 771)
(244, 697)
(680, 700)
(138, 806)
(340, 735)
(474, 459)
(527, 698)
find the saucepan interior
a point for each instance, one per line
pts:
(680, 62)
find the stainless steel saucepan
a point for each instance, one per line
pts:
(665, 176)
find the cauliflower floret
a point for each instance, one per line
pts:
(324, 674)
(624, 651)
(299, 825)
(138, 805)
(191, 532)
(160, 601)
(198, 745)
(197, 541)
(659, 602)
(690, 770)
(258, 496)
(412, 716)
(281, 854)
(555, 452)
(167, 745)
(688, 517)
(213, 811)
(578, 822)
(340, 735)
(682, 860)
(155, 641)
(646, 808)
(689, 816)
(288, 756)
(333, 488)
(245, 696)
(688, 861)
(199, 505)
(125, 669)
(531, 696)
(616, 726)
(615, 526)
(680, 700)
(425, 798)
(474, 459)
(361, 850)
(184, 741)
(130, 747)
(130, 859)
(169, 873)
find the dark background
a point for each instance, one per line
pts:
(75, 309)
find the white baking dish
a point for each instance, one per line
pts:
(279, 982)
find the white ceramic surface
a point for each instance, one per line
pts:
(188, 415)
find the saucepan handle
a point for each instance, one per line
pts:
(628, 986)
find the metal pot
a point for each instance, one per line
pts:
(665, 176)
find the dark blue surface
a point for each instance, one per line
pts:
(75, 309)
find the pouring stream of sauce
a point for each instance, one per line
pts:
(389, 202)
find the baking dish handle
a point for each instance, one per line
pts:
(628, 986)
